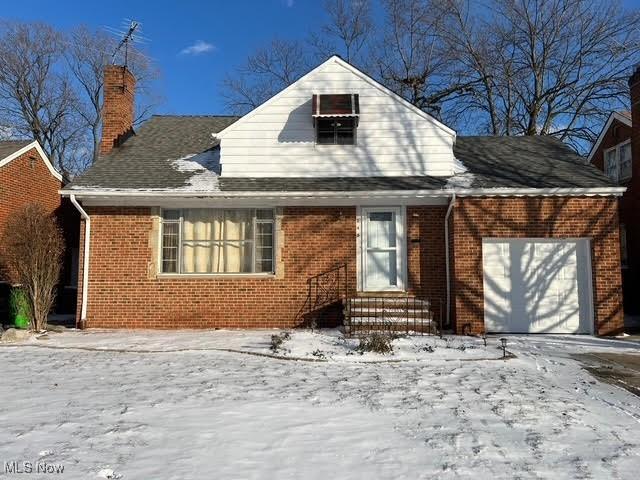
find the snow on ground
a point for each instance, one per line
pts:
(195, 412)
(326, 345)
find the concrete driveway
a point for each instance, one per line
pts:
(620, 369)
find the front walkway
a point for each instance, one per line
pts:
(190, 413)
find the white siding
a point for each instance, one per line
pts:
(392, 139)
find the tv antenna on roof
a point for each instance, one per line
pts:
(130, 34)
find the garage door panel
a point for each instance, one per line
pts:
(536, 285)
(497, 285)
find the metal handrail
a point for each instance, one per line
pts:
(324, 289)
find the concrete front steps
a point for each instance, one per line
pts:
(393, 313)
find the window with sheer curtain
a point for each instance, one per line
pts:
(617, 162)
(625, 161)
(205, 240)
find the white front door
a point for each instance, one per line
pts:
(535, 285)
(382, 238)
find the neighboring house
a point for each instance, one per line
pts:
(222, 222)
(617, 153)
(27, 176)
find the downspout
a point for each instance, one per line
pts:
(85, 260)
(446, 257)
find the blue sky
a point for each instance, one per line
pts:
(221, 33)
(190, 81)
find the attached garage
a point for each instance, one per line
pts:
(537, 285)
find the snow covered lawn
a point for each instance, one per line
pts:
(323, 345)
(168, 405)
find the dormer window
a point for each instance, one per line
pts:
(335, 131)
(335, 117)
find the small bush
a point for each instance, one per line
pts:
(277, 341)
(19, 308)
(32, 252)
(428, 349)
(377, 343)
(319, 354)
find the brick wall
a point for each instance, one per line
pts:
(122, 292)
(630, 206)
(591, 217)
(25, 180)
(426, 255)
(630, 201)
(118, 109)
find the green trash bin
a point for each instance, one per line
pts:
(19, 308)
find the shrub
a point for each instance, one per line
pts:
(19, 309)
(319, 354)
(377, 343)
(33, 247)
(277, 340)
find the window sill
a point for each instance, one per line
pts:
(329, 145)
(217, 276)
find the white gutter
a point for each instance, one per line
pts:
(485, 192)
(85, 258)
(446, 257)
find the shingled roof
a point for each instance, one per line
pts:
(146, 160)
(153, 160)
(7, 147)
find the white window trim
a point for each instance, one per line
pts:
(617, 148)
(402, 246)
(196, 275)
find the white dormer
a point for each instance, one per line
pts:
(336, 121)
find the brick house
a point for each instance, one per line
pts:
(27, 176)
(616, 152)
(337, 184)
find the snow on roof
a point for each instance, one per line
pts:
(205, 169)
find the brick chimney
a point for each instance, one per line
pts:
(634, 89)
(118, 108)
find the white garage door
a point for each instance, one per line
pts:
(537, 285)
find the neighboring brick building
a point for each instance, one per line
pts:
(224, 222)
(27, 176)
(617, 152)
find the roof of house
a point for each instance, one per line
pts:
(12, 149)
(7, 147)
(622, 116)
(145, 160)
(153, 160)
(526, 161)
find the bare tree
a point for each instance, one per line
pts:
(37, 99)
(548, 67)
(413, 59)
(33, 246)
(51, 89)
(350, 25)
(265, 73)
(481, 56)
(86, 54)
